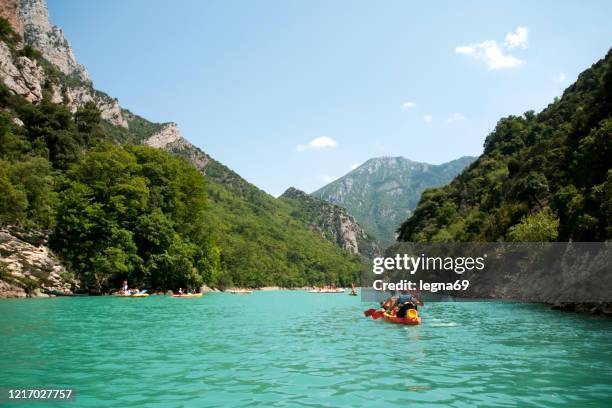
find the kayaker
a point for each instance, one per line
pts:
(390, 303)
(405, 302)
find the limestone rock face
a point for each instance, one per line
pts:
(333, 223)
(109, 107)
(22, 75)
(9, 9)
(25, 76)
(169, 134)
(170, 138)
(28, 268)
(48, 39)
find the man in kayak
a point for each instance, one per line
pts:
(399, 305)
(406, 301)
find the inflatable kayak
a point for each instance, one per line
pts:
(412, 318)
(338, 290)
(188, 295)
(142, 293)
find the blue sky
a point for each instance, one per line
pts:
(295, 93)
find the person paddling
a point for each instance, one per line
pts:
(406, 301)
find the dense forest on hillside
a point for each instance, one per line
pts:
(116, 210)
(542, 177)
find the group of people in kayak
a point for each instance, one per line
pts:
(400, 304)
(186, 292)
(125, 289)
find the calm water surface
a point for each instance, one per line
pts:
(301, 349)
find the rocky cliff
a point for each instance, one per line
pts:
(53, 67)
(9, 9)
(332, 222)
(383, 191)
(49, 40)
(169, 138)
(22, 75)
(28, 268)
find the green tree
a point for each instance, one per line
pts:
(542, 226)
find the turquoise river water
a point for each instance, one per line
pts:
(302, 349)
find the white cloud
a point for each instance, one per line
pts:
(408, 105)
(560, 77)
(320, 142)
(517, 38)
(455, 117)
(490, 52)
(495, 55)
(327, 179)
(428, 118)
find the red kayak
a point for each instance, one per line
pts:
(402, 320)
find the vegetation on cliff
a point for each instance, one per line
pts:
(332, 222)
(118, 211)
(542, 177)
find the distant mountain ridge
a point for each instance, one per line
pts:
(383, 191)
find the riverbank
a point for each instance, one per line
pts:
(28, 268)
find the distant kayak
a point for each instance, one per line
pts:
(337, 290)
(413, 318)
(240, 291)
(137, 295)
(187, 295)
(352, 294)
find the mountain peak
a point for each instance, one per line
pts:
(383, 191)
(293, 192)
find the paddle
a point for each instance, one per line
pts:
(375, 313)
(378, 314)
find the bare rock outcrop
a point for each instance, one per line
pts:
(169, 134)
(333, 223)
(110, 110)
(9, 9)
(48, 39)
(21, 75)
(29, 268)
(169, 138)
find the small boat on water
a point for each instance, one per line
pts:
(187, 295)
(336, 290)
(240, 291)
(141, 294)
(412, 318)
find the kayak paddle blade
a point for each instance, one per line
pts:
(369, 312)
(378, 314)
